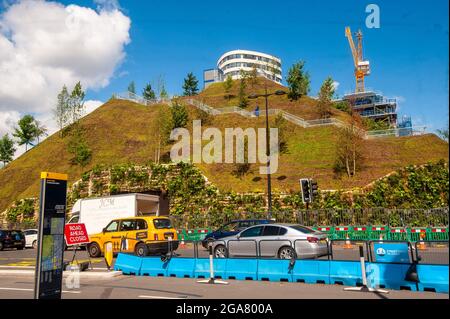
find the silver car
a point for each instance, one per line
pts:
(284, 241)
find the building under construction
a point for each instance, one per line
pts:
(374, 106)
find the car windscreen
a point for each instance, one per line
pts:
(230, 227)
(16, 234)
(161, 223)
(303, 229)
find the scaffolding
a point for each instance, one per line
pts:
(374, 106)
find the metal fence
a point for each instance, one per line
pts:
(332, 217)
(366, 216)
(417, 130)
(396, 132)
(138, 99)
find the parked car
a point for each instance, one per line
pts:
(141, 235)
(31, 238)
(12, 239)
(273, 241)
(232, 228)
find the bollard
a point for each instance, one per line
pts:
(182, 243)
(421, 245)
(348, 244)
(108, 254)
(211, 279)
(364, 287)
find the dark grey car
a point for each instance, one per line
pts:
(273, 241)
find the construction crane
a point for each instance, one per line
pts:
(362, 68)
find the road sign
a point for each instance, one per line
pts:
(76, 234)
(391, 252)
(50, 254)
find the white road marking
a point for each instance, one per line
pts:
(16, 289)
(159, 297)
(29, 289)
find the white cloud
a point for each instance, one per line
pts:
(44, 45)
(8, 120)
(92, 105)
(335, 85)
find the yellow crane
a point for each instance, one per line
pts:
(362, 68)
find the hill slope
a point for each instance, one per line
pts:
(122, 131)
(215, 96)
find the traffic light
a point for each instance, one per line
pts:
(314, 189)
(306, 190)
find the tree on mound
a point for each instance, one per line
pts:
(298, 81)
(349, 155)
(227, 85)
(148, 92)
(26, 131)
(190, 85)
(326, 94)
(242, 95)
(7, 149)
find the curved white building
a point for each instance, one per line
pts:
(232, 62)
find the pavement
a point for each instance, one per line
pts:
(139, 287)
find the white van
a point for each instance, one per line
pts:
(97, 212)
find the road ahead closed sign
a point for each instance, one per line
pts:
(76, 234)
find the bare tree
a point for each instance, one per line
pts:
(61, 111)
(349, 155)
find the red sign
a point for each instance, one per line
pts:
(76, 234)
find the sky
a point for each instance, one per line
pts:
(106, 44)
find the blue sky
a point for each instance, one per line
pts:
(408, 53)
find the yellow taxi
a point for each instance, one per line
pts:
(140, 235)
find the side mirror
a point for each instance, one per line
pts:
(104, 230)
(238, 236)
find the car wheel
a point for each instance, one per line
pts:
(20, 247)
(94, 250)
(34, 244)
(141, 250)
(286, 253)
(220, 251)
(1, 246)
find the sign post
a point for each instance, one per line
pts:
(50, 254)
(76, 235)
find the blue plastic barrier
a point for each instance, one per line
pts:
(128, 264)
(311, 271)
(274, 270)
(383, 275)
(181, 267)
(201, 268)
(433, 277)
(242, 269)
(153, 266)
(389, 275)
(346, 273)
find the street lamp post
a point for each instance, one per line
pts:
(269, 186)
